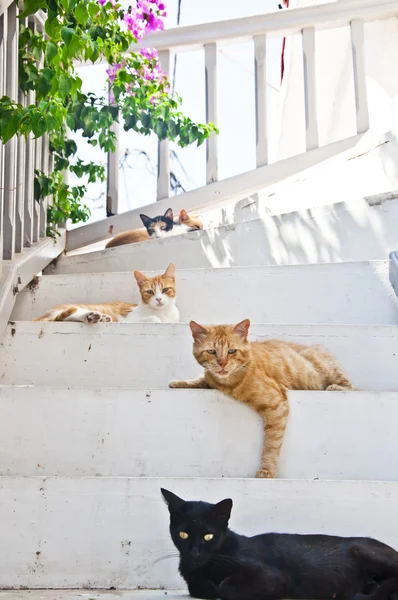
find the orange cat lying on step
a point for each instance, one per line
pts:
(260, 374)
(158, 298)
(160, 226)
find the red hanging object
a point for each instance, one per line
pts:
(286, 3)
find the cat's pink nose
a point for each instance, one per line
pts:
(159, 300)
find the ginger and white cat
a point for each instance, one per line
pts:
(158, 304)
(260, 374)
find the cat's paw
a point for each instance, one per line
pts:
(93, 316)
(176, 383)
(106, 319)
(151, 320)
(266, 474)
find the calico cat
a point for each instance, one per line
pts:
(157, 227)
(218, 563)
(260, 374)
(158, 304)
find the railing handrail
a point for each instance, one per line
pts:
(276, 24)
(4, 4)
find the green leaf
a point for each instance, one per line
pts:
(52, 27)
(93, 9)
(51, 51)
(70, 121)
(31, 6)
(81, 14)
(67, 34)
(43, 86)
(64, 85)
(10, 128)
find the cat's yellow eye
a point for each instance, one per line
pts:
(165, 290)
(208, 537)
(210, 351)
(230, 351)
(150, 292)
(183, 535)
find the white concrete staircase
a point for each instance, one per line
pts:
(90, 432)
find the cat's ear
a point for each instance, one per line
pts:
(173, 502)
(146, 220)
(140, 278)
(242, 329)
(198, 331)
(222, 510)
(170, 271)
(168, 214)
(183, 215)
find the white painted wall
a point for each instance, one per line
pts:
(331, 293)
(147, 356)
(82, 526)
(121, 432)
(341, 232)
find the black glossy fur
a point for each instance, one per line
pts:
(165, 222)
(275, 566)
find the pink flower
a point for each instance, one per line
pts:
(113, 70)
(149, 53)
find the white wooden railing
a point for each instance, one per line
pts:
(24, 248)
(23, 221)
(210, 36)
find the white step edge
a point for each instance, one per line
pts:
(122, 432)
(341, 232)
(148, 356)
(93, 595)
(111, 532)
(327, 293)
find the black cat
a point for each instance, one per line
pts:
(218, 563)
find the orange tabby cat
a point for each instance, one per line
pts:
(156, 228)
(260, 374)
(158, 297)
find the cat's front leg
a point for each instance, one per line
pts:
(255, 583)
(274, 408)
(151, 319)
(193, 384)
(205, 589)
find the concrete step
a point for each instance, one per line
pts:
(327, 293)
(93, 595)
(100, 532)
(147, 356)
(341, 232)
(120, 432)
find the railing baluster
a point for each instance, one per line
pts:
(112, 202)
(36, 166)
(36, 205)
(211, 111)
(311, 117)
(20, 191)
(163, 184)
(358, 60)
(3, 29)
(44, 167)
(10, 178)
(260, 71)
(29, 177)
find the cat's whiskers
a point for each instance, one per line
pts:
(166, 557)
